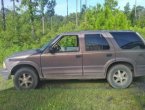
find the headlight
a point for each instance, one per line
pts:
(4, 65)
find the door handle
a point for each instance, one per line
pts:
(78, 56)
(109, 55)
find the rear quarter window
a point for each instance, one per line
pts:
(128, 40)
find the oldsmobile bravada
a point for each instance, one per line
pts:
(117, 56)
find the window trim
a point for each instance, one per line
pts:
(96, 50)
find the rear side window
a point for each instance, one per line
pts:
(95, 42)
(128, 40)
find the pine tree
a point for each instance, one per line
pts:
(127, 10)
(3, 16)
(50, 9)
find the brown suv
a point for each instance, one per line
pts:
(117, 56)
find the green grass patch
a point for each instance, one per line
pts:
(5, 84)
(73, 95)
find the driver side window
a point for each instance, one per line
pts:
(68, 43)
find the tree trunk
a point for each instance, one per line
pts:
(3, 16)
(135, 13)
(33, 30)
(67, 8)
(14, 6)
(51, 22)
(76, 13)
(80, 5)
(14, 14)
(85, 12)
(32, 19)
(43, 24)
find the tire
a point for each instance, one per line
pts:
(25, 79)
(120, 76)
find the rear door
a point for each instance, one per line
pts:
(98, 51)
(132, 47)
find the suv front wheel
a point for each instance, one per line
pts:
(25, 79)
(120, 76)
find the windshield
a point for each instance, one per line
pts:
(48, 44)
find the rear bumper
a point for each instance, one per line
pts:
(5, 74)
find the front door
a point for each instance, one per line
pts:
(66, 62)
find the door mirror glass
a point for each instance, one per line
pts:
(54, 49)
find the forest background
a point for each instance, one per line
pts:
(33, 23)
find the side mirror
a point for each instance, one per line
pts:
(51, 50)
(54, 49)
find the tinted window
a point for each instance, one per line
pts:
(95, 42)
(128, 40)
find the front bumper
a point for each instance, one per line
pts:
(5, 74)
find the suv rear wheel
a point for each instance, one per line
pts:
(25, 79)
(120, 76)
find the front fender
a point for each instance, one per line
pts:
(29, 63)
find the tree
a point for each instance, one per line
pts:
(104, 18)
(14, 13)
(14, 6)
(67, 7)
(50, 9)
(83, 10)
(127, 9)
(86, 11)
(111, 4)
(135, 17)
(31, 11)
(76, 13)
(42, 4)
(3, 15)
(80, 5)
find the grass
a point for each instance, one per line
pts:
(73, 95)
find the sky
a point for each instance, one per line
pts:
(60, 8)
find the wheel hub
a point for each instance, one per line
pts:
(25, 80)
(120, 77)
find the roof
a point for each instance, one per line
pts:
(94, 31)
